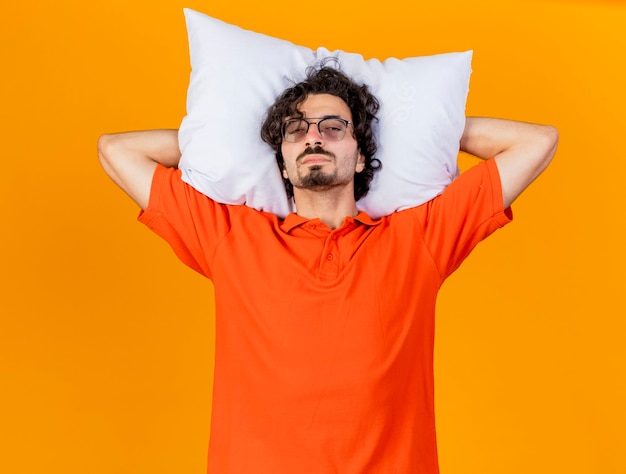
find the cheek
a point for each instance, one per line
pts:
(284, 151)
(288, 154)
(288, 150)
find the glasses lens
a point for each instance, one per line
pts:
(294, 130)
(332, 129)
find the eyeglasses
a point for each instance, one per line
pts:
(331, 128)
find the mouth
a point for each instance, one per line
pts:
(315, 159)
(315, 155)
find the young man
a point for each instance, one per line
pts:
(325, 320)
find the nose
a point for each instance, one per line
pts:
(313, 135)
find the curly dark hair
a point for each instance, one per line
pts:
(322, 79)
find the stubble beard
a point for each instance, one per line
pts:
(317, 180)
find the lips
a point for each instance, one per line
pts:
(315, 155)
(311, 159)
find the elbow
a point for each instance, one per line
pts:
(110, 154)
(104, 149)
(546, 143)
(110, 151)
(551, 139)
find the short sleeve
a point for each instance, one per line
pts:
(189, 221)
(468, 211)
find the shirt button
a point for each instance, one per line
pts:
(334, 237)
(329, 256)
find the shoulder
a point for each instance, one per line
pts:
(476, 193)
(478, 186)
(179, 202)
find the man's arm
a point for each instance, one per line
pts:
(130, 159)
(521, 150)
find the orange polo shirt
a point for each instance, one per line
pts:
(324, 338)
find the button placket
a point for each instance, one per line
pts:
(329, 265)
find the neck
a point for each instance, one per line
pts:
(330, 206)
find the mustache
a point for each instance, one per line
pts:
(316, 150)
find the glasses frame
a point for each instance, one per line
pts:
(308, 125)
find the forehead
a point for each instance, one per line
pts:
(323, 105)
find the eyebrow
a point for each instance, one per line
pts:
(304, 117)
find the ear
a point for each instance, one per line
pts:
(360, 163)
(285, 175)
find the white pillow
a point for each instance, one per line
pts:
(237, 74)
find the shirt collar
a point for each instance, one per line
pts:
(293, 220)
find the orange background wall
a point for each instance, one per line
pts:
(105, 338)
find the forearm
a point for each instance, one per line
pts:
(486, 137)
(521, 150)
(160, 146)
(130, 159)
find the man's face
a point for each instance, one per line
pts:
(317, 162)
